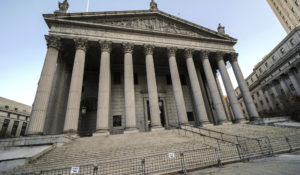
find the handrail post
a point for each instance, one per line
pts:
(288, 142)
(218, 158)
(95, 170)
(143, 167)
(182, 163)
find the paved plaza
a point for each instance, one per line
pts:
(284, 164)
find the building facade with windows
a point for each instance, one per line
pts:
(276, 76)
(14, 118)
(132, 71)
(287, 12)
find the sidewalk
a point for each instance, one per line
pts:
(284, 164)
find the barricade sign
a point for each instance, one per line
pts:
(75, 170)
(171, 155)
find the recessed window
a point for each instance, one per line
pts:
(4, 128)
(183, 80)
(267, 100)
(253, 97)
(117, 78)
(273, 58)
(293, 42)
(23, 129)
(241, 104)
(292, 87)
(190, 116)
(14, 128)
(251, 80)
(260, 70)
(117, 121)
(266, 64)
(16, 109)
(261, 102)
(169, 80)
(282, 50)
(136, 79)
(256, 105)
(6, 107)
(257, 93)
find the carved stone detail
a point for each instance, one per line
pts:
(53, 41)
(233, 57)
(149, 49)
(81, 43)
(219, 55)
(172, 51)
(153, 5)
(204, 54)
(128, 47)
(63, 7)
(105, 46)
(188, 53)
(151, 23)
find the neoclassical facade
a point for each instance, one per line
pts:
(276, 76)
(109, 72)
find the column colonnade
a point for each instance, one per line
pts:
(104, 90)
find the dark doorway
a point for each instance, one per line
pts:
(88, 117)
(4, 128)
(162, 114)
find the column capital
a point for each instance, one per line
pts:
(188, 53)
(233, 57)
(172, 51)
(81, 44)
(149, 49)
(53, 41)
(220, 55)
(291, 71)
(204, 54)
(105, 46)
(128, 47)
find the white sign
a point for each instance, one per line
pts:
(75, 170)
(171, 155)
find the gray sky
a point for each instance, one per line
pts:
(23, 47)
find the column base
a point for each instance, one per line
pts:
(253, 118)
(157, 129)
(101, 132)
(225, 123)
(242, 121)
(131, 131)
(35, 134)
(206, 125)
(70, 132)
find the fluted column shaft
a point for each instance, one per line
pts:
(227, 112)
(271, 104)
(41, 101)
(263, 99)
(294, 82)
(283, 85)
(104, 92)
(235, 106)
(177, 89)
(217, 103)
(197, 94)
(73, 106)
(129, 87)
(152, 88)
(252, 111)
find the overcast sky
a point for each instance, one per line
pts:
(23, 47)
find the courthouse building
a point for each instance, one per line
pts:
(277, 75)
(133, 71)
(14, 118)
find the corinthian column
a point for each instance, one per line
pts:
(235, 105)
(252, 111)
(129, 88)
(40, 105)
(197, 94)
(73, 107)
(104, 92)
(152, 88)
(217, 103)
(177, 89)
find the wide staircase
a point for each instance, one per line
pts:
(99, 149)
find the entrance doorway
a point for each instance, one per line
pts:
(163, 116)
(88, 117)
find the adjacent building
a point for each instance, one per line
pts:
(133, 71)
(276, 77)
(287, 12)
(14, 118)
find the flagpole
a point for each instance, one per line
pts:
(87, 6)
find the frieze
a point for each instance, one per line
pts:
(152, 24)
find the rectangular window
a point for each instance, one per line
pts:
(117, 78)
(292, 87)
(190, 116)
(14, 128)
(261, 102)
(267, 100)
(4, 128)
(260, 70)
(117, 121)
(257, 93)
(136, 79)
(256, 105)
(253, 97)
(183, 80)
(293, 42)
(266, 64)
(24, 125)
(273, 58)
(169, 80)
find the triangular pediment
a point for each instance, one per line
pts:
(147, 21)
